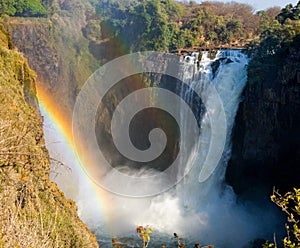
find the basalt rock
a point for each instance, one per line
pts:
(266, 137)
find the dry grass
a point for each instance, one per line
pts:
(33, 211)
(23, 228)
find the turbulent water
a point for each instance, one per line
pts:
(205, 213)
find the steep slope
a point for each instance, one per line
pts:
(33, 211)
(266, 140)
(56, 49)
(60, 66)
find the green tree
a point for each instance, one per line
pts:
(173, 9)
(277, 34)
(30, 8)
(26, 8)
(234, 26)
(147, 26)
(289, 12)
(7, 7)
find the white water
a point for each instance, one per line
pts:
(199, 212)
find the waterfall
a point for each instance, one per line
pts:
(227, 72)
(200, 211)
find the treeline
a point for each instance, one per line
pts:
(277, 32)
(278, 41)
(26, 8)
(168, 25)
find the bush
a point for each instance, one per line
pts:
(26, 8)
(290, 204)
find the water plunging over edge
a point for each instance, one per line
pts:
(200, 212)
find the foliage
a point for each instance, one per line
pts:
(168, 25)
(289, 12)
(275, 55)
(32, 8)
(290, 204)
(269, 52)
(33, 212)
(276, 33)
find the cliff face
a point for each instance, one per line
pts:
(34, 212)
(266, 138)
(57, 50)
(62, 48)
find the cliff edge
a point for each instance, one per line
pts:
(33, 211)
(266, 138)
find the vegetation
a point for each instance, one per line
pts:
(33, 207)
(169, 25)
(277, 33)
(33, 212)
(275, 58)
(290, 204)
(27, 8)
(280, 37)
(144, 233)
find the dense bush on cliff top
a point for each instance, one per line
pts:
(278, 45)
(276, 33)
(168, 25)
(27, 8)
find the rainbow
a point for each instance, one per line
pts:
(63, 128)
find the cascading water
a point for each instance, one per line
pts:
(229, 78)
(204, 212)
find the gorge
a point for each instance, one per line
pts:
(200, 212)
(258, 87)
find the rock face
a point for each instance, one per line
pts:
(34, 212)
(266, 137)
(57, 51)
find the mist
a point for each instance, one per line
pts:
(206, 212)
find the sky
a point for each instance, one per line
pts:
(262, 4)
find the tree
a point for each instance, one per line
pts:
(289, 12)
(289, 204)
(277, 34)
(28, 8)
(7, 7)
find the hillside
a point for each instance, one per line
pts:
(34, 212)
